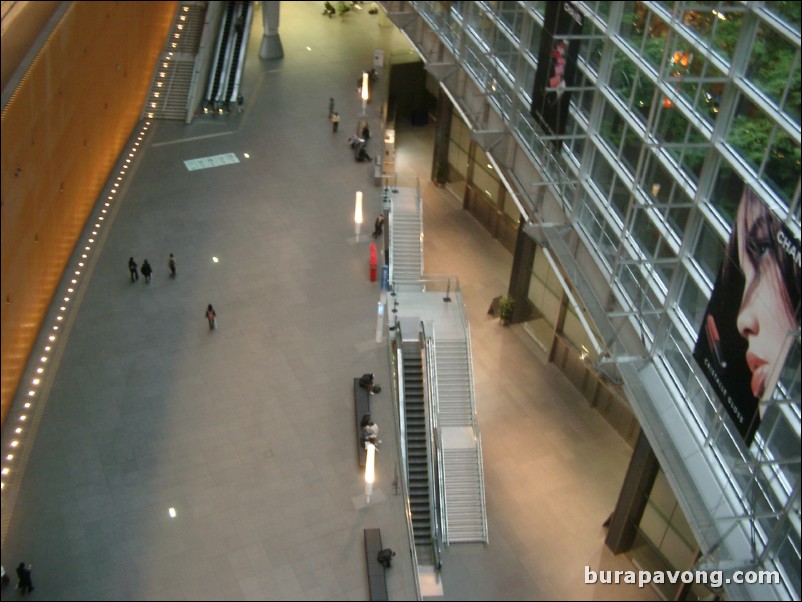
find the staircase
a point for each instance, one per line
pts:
(172, 80)
(465, 517)
(405, 246)
(453, 384)
(417, 455)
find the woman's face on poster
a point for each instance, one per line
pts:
(765, 318)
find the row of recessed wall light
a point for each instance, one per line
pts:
(13, 448)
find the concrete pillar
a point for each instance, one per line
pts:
(271, 42)
(441, 140)
(642, 471)
(522, 260)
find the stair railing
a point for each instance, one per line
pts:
(434, 449)
(477, 433)
(474, 421)
(436, 478)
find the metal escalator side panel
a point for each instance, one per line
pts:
(219, 61)
(240, 50)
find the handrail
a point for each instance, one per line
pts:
(433, 447)
(477, 433)
(419, 196)
(398, 410)
(387, 202)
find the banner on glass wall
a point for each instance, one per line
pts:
(753, 314)
(556, 66)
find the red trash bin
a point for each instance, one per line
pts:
(373, 262)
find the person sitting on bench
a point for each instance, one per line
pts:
(370, 433)
(366, 381)
(385, 557)
(362, 154)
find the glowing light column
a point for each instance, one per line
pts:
(358, 214)
(370, 465)
(365, 93)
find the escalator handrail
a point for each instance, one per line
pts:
(232, 91)
(222, 38)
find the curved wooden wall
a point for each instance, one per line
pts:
(62, 132)
(22, 22)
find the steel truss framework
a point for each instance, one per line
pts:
(742, 502)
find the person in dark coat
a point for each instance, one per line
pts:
(146, 270)
(24, 576)
(211, 315)
(366, 381)
(132, 268)
(385, 557)
(172, 265)
(370, 433)
(361, 153)
(378, 226)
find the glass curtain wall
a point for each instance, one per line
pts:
(675, 108)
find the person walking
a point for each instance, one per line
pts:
(211, 315)
(132, 268)
(366, 132)
(24, 575)
(331, 107)
(146, 271)
(172, 264)
(335, 121)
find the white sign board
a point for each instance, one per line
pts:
(207, 162)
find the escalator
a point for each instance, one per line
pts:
(223, 89)
(237, 52)
(220, 60)
(417, 454)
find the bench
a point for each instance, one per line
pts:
(361, 407)
(376, 580)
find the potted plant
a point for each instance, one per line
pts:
(505, 307)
